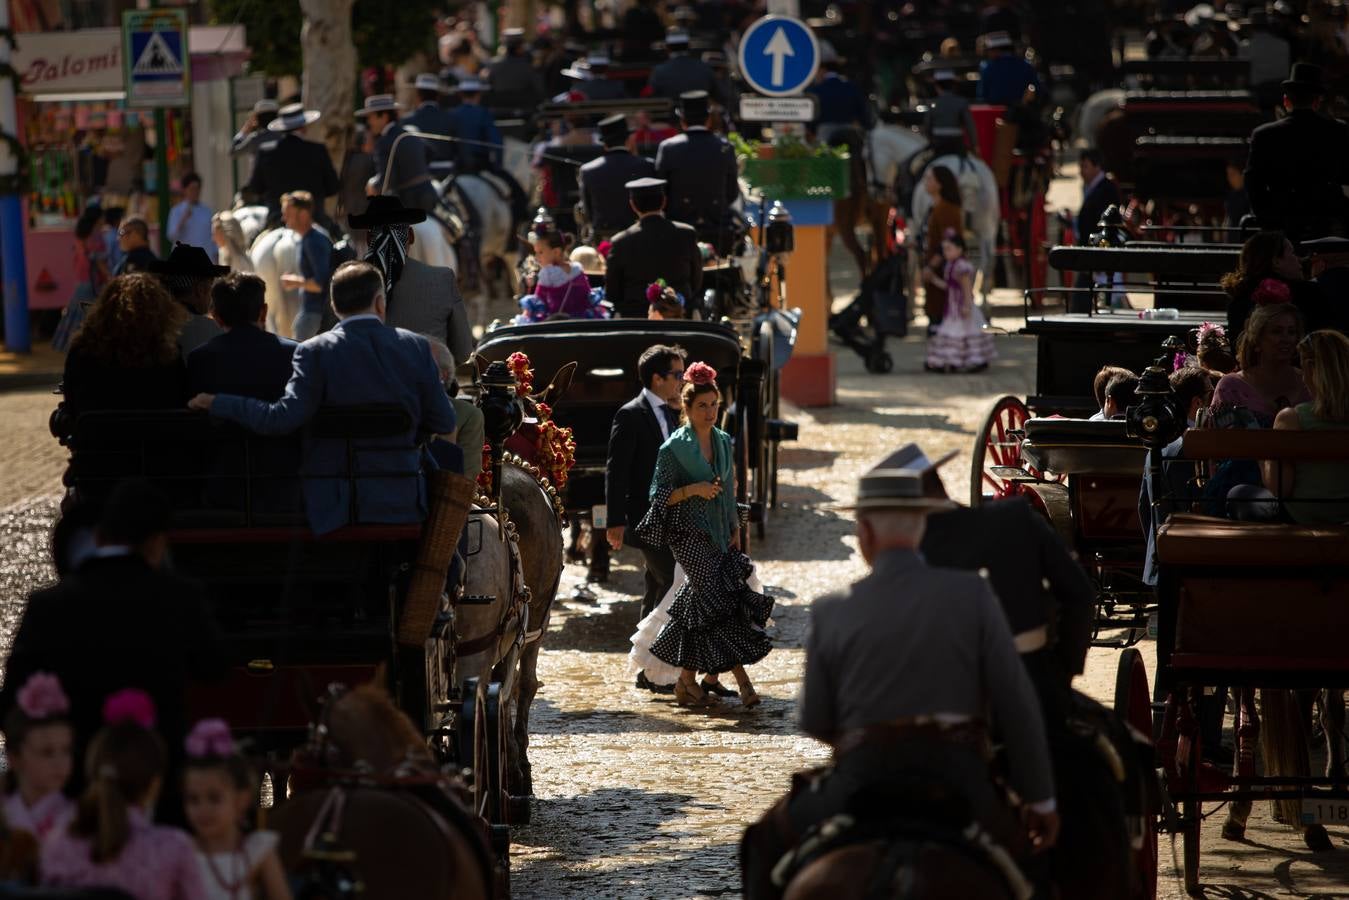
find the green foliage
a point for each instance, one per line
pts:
(384, 34)
(784, 147)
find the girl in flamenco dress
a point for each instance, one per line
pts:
(962, 341)
(561, 287)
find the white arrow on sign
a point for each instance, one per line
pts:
(779, 47)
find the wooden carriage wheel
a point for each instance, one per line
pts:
(996, 450)
(1133, 704)
(497, 776)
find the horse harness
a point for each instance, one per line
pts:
(515, 613)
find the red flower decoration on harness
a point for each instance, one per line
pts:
(210, 738)
(700, 373)
(518, 363)
(1271, 290)
(129, 705)
(41, 697)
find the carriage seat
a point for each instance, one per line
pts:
(1082, 447)
(1195, 540)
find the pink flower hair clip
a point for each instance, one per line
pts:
(700, 373)
(1271, 290)
(210, 738)
(129, 705)
(654, 290)
(41, 697)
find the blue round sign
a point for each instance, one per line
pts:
(779, 56)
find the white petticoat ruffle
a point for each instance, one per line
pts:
(640, 658)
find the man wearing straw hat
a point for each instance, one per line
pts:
(255, 135)
(431, 118)
(294, 164)
(900, 671)
(408, 177)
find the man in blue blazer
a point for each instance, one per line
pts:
(360, 361)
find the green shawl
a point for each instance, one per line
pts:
(719, 516)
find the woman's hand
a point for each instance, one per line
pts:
(735, 540)
(708, 490)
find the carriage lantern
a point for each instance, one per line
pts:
(1154, 421)
(501, 411)
(780, 235)
(1110, 230)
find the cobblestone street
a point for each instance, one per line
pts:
(637, 798)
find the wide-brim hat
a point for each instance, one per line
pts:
(942, 75)
(614, 129)
(676, 37)
(379, 103)
(997, 40)
(427, 82)
(266, 105)
(513, 37)
(293, 118)
(385, 209)
(469, 85)
(187, 261)
(1306, 77)
(906, 479)
(1324, 246)
(578, 71)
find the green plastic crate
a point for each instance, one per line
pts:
(813, 178)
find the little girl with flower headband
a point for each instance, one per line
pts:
(561, 286)
(38, 739)
(219, 788)
(665, 302)
(112, 842)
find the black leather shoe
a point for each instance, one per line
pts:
(721, 690)
(645, 684)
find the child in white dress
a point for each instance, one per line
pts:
(39, 739)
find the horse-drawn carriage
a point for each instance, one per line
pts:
(1085, 476)
(365, 603)
(606, 353)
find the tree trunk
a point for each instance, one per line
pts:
(330, 71)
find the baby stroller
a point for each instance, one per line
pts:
(885, 307)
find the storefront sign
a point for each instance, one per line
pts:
(69, 62)
(155, 58)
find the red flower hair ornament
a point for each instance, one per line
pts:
(700, 373)
(1271, 290)
(129, 705)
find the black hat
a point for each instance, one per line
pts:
(693, 106)
(643, 189)
(906, 479)
(677, 38)
(614, 130)
(1306, 77)
(513, 37)
(385, 209)
(187, 261)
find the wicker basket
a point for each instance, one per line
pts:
(449, 497)
(812, 178)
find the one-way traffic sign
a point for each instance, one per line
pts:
(779, 56)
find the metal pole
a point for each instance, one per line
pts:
(17, 338)
(162, 166)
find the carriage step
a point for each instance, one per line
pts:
(478, 599)
(1008, 471)
(781, 430)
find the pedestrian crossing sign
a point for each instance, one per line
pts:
(157, 67)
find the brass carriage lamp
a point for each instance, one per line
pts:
(1154, 421)
(1111, 231)
(780, 234)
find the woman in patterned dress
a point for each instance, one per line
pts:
(716, 620)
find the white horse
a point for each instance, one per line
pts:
(893, 147)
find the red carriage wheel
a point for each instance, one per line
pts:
(997, 450)
(1133, 704)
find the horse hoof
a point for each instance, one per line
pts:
(519, 809)
(1233, 832)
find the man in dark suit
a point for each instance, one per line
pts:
(640, 427)
(603, 195)
(245, 359)
(1298, 166)
(1330, 271)
(293, 164)
(431, 118)
(120, 621)
(1049, 601)
(409, 178)
(360, 361)
(516, 84)
(1098, 193)
(701, 169)
(652, 248)
(682, 72)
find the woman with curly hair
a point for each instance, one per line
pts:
(1268, 261)
(713, 620)
(1268, 380)
(125, 355)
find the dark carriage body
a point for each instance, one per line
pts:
(606, 351)
(296, 611)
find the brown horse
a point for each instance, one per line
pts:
(860, 208)
(370, 807)
(902, 869)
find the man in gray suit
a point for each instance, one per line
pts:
(361, 361)
(900, 672)
(422, 298)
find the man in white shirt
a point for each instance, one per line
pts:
(190, 219)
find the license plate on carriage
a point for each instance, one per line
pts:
(1330, 811)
